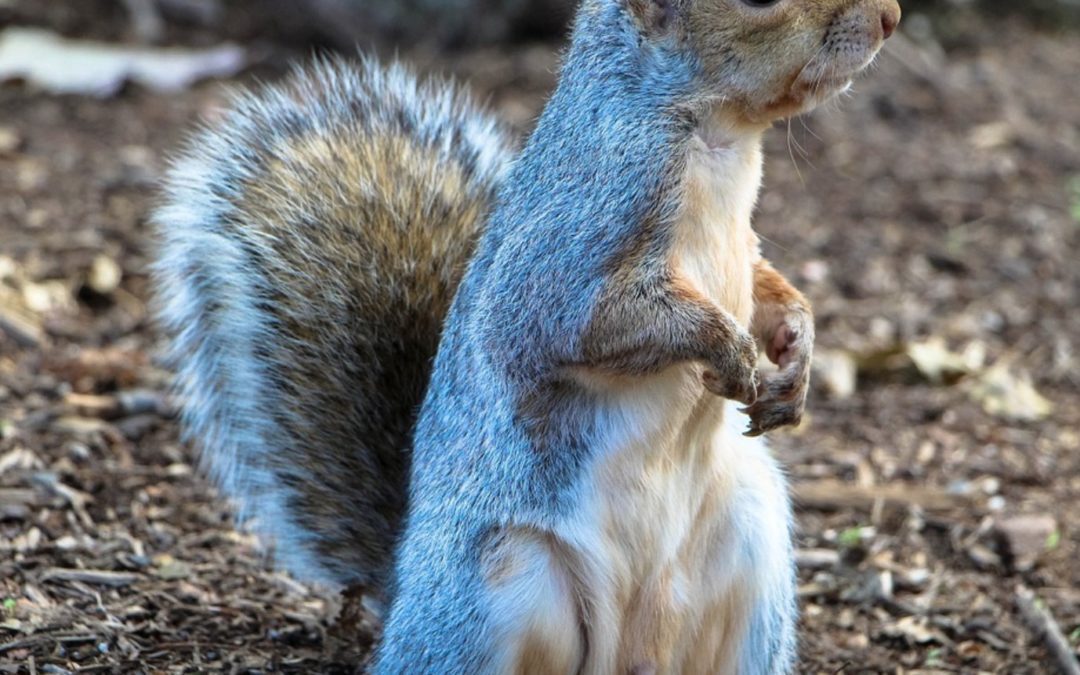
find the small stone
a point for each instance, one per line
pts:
(79, 452)
(990, 485)
(31, 175)
(37, 218)
(857, 641)
(914, 578)
(815, 271)
(178, 470)
(1025, 538)
(66, 543)
(10, 141)
(959, 488)
(837, 373)
(104, 276)
(983, 557)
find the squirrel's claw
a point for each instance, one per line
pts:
(782, 399)
(783, 393)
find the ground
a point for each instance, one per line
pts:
(933, 217)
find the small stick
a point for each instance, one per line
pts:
(831, 495)
(22, 331)
(1045, 627)
(816, 558)
(99, 577)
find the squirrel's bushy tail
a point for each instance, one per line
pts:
(310, 244)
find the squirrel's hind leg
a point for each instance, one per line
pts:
(536, 620)
(505, 606)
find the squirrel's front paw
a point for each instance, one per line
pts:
(733, 373)
(783, 393)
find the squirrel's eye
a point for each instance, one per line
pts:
(760, 3)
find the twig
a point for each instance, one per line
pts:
(831, 495)
(100, 577)
(816, 558)
(1042, 623)
(22, 331)
(19, 644)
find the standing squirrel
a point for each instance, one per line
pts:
(567, 488)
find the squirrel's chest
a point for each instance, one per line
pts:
(659, 531)
(713, 244)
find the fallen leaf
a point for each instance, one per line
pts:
(171, 569)
(938, 364)
(65, 66)
(914, 630)
(1010, 394)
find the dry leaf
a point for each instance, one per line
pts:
(170, 568)
(914, 630)
(938, 364)
(1010, 394)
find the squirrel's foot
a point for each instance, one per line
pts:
(733, 374)
(783, 393)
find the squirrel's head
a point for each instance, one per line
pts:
(769, 59)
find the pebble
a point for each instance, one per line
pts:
(1025, 538)
(104, 275)
(837, 372)
(10, 141)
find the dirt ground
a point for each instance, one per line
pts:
(933, 216)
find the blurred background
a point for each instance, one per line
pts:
(933, 217)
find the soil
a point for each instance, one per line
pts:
(933, 217)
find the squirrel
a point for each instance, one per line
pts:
(499, 389)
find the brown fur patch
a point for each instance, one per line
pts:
(772, 288)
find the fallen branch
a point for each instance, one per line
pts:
(832, 495)
(1046, 628)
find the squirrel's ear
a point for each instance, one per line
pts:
(654, 17)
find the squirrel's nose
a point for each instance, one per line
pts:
(889, 19)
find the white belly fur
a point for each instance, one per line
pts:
(679, 509)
